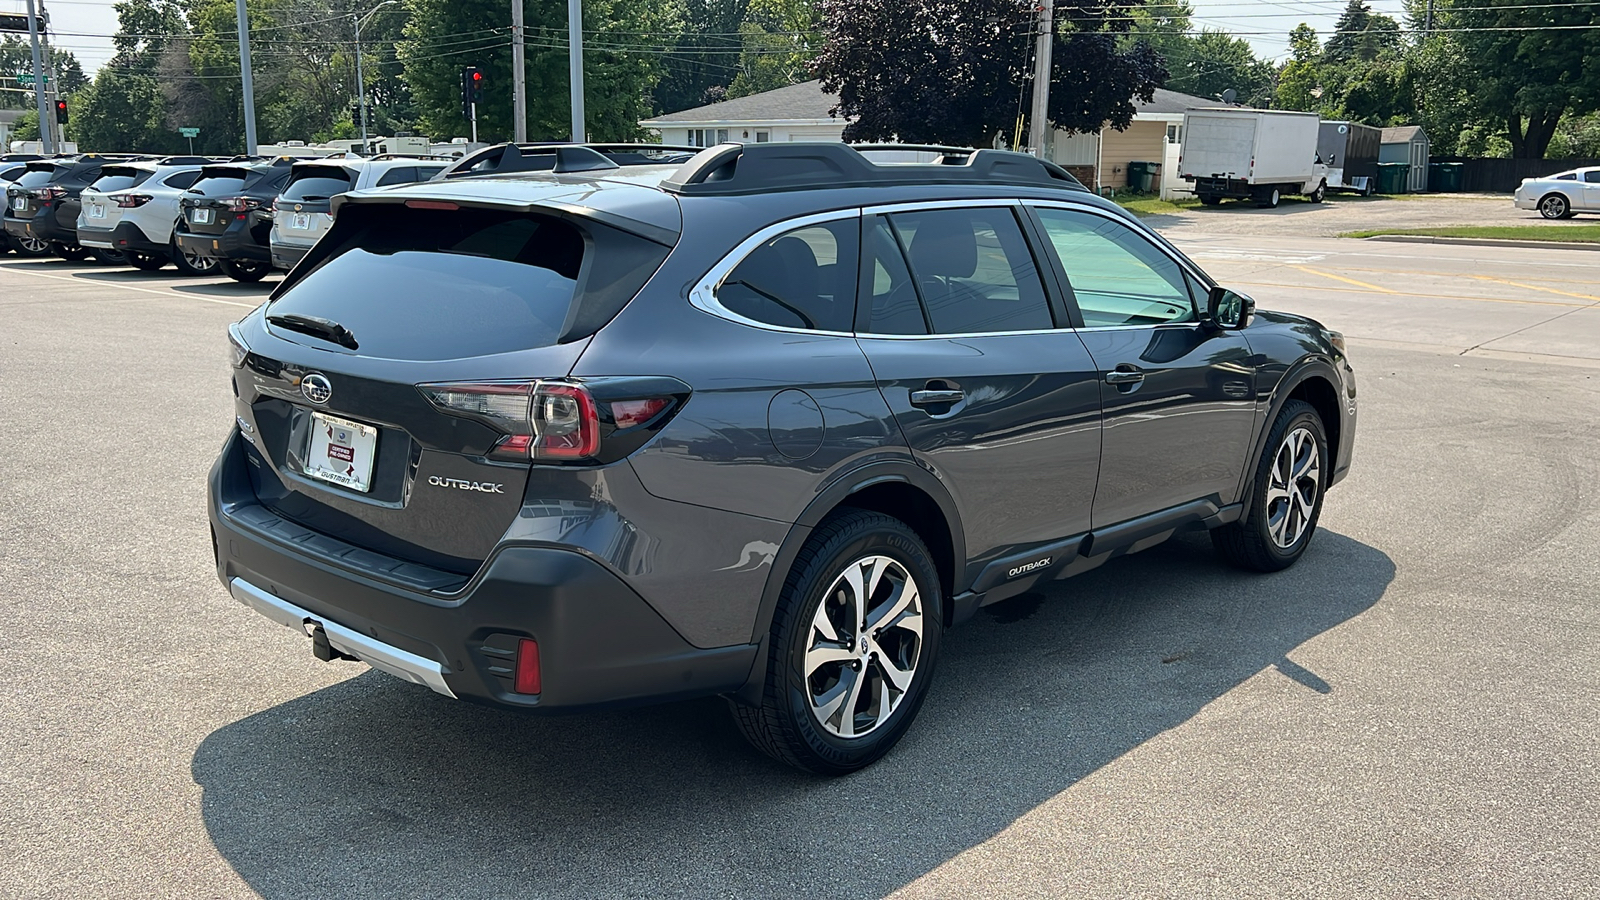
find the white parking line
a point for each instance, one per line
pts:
(127, 287)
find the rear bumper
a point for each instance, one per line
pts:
(125, 236)
(233, 243)
(1526, 202)
(600, 643)
(284, 256)
(42, 226)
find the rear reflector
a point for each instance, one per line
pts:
(628, 413)
(526, 680)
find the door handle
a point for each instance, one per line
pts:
(935, 398)
(1124, 376)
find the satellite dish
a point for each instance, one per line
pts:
(1230, 95)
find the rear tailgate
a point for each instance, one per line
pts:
(346, 441)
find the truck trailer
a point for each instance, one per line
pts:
(1251, 154)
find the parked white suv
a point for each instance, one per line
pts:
(132, 208)
(302, 210)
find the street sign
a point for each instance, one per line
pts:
(189, 132)
(27, 78)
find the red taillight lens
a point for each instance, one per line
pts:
(566, 424)
(243, 204)
(628, 413)
(526, 680)
(133, 201)
(50, 193)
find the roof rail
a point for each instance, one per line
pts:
(763, 168)
(408, 156)
(564, 157)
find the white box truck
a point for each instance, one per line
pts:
(1252, 154)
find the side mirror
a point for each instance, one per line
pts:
(1228, 309)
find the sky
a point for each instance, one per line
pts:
(1264, 24)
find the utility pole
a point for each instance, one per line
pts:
(38, 83)
(575, 66)
(1428, 25)
(361, 88)
(1041, 77)
(519, 77)
(249, 85)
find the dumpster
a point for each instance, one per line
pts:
(1446, 177)
(1392, 177)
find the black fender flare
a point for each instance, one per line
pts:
(1307, 367)
(839, 488)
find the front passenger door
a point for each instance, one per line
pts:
(1591, 191)
(1177, 393)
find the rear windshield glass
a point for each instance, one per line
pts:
(120, 181)
(434, 284)
(218, 185)
(319, 185)
(36, 178)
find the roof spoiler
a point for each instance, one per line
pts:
(762, 168)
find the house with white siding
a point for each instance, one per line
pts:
(803, 112)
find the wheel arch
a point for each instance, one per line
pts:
(1314, 380)
(1558, 192)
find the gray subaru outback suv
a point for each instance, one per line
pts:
(762, 424)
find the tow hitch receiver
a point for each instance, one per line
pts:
(320, 648)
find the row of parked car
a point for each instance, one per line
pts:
(242, 217)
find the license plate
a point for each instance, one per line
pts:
(96, 211)
(341, 451)
(19, 202)
(301, 221)
(200, 216)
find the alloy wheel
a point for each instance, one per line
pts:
(1553, 206)
(863, 646)
(198, 263)
(1292, 487)
(33, 244)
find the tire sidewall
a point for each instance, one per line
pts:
(876, 538)
(1564, 206)
(1299, 415)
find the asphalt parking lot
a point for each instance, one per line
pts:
(1412, 711)
(1343, 213)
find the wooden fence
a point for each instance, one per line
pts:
(1501, 176)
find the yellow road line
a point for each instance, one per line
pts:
(1533, 287)
(1343, 268)
(1361, 284)
(126, 287)
(1307, 287)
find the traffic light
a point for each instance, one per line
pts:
(471, 89)
(61, 112)
(355, 115)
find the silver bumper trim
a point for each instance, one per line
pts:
(388, 658)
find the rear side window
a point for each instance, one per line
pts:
(426, 173)
(1570, 176)
(181, 180)
(119, 181)
(974, 270)
(805, 278)
(398, 175)
(218, 185)
(318, 184)
(894, 307)
(430, 284)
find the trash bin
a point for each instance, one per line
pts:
(1446, 177)
(1392, 177)
(1139, 176)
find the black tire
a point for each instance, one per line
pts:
(1317, 195)
(1250, 543)
(785, 725)
(1210, 200)
(245, 270)
(69, 251)
(108, 257)
(31, 248)
(1555, 206)
(1267, 198)
(192, 265)
(146, 262)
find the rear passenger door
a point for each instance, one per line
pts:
(1177, 393)
(989, 392)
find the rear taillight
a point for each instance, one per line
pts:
(49, 193)
(242, 204)
(133, 201)
(564, 421)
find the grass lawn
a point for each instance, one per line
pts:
(1581, 234)
(1151, 204)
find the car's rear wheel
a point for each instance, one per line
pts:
(246, 270)
(190, 263)
(1210, 200)
(853, 644)
(30, 247)
(1286, 499)
(69, 251)
(108, 257)
(1268, 198)
(146, 262)
(1554, 206)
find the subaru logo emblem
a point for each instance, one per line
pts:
(316, 388)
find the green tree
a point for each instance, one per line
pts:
(779, 44)
(1361, 34)
(703, 57)
(1213, 61)
(620, 68)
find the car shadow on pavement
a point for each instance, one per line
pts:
(377, 788)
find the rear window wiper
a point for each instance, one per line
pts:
(327, 329)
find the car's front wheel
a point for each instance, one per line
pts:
(145, 262)
(853, 643)
(1286, 499)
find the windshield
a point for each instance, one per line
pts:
(430, 284)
